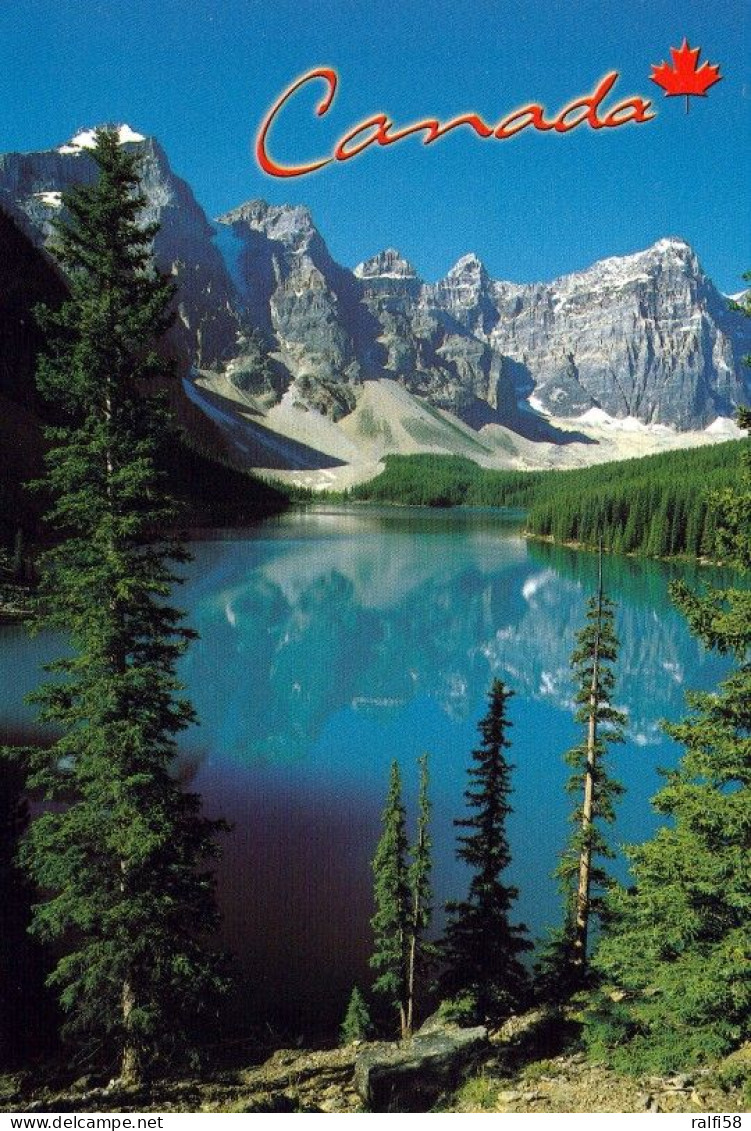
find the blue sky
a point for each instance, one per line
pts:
(200, 76)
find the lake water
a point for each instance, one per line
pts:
(334, 641)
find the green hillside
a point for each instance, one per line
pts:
(448, 481)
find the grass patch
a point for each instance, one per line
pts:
(538, 1070)
(478, 1094)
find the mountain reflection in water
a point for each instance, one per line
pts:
(333, 641)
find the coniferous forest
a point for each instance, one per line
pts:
(109, 915)
(657, 506)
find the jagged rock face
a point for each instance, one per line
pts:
(331, 325)
(207, 307)
(645, 335)
(293, 288)
(467, 293)
(388, 264)
(430, 349)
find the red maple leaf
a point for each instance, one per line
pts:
(684, 77)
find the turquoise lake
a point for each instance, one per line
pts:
(333, 641)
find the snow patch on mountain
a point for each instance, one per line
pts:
(725, 426)
(86, 139)
(599, 418)
(532, 404)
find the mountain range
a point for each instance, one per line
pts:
(315, 371)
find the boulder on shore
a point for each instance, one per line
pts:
(411, 1075)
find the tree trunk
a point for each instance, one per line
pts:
(412, 958)
(409, 1021)
(581, 923)
(108, 455)
(403, 1027)
(131, 1067)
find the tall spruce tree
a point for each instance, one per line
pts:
(481, 947)
(677, 951)
(391, 921)
(122, 853)
(583, 880)
(562, 963)
(420, 893)
(403, 900)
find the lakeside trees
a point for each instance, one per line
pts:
(403, 900)
(356, 1025)
(390, 921)
(120, 854)
(672, 974)
(482, 948)
(678, 948)
(656, 506)
(563, 962)
(592, 664)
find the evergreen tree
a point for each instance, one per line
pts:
(481, 947)
(591, 662)
(562, 963)
(420, 892)
(391, 921)
(356, 1024)
(120, 855)
(678, 949)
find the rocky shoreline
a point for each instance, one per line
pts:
(444, 1068)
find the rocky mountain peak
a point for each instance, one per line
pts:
(31, 188)
(643, 336)
(672, 252)
(678, 254)
(468, 269)
(388, 264)
(675, 244)
(666, 276)
(293, 290)
(669, 253)
(289, 224)
(466, 292)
